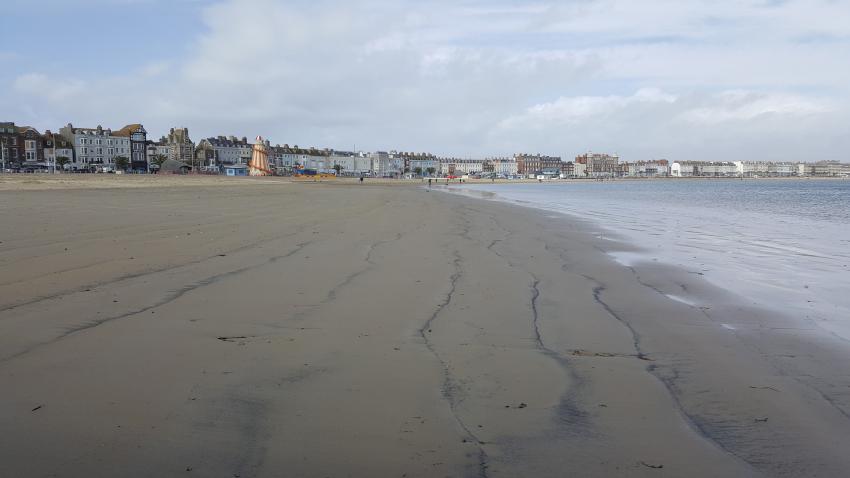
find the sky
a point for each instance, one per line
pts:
(675, 79)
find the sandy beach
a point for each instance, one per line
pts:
(261, 328)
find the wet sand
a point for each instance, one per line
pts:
(268, 328)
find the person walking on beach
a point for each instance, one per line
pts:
(361, 179)
(429, 183)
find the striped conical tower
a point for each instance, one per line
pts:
(259, 165)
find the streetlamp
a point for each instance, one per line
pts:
(53, 163)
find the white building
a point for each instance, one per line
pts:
(687, 169)
(386, 164)
(95, 147)
(290, 158)
(767, 169)
(828, 169)
(653, 168)
(458, 167)
(424, 165)
(351, 164)
(502, 166)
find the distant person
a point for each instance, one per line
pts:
(361, 179)
(429, 183)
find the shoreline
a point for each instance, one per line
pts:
(377, 331)
(662, 239)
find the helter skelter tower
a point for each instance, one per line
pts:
(259, 164)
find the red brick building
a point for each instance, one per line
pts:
(536, 163)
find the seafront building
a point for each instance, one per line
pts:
(313, 159)
(460, 167)
(387, 165)
(501, 166)
(599, 165)
(226, 150)
(750, 169)
(827, 169)
(426, 166)
(533, 164)
(205, 157)
(23, 148)
(688, 169)
(289, 158)
(180, 146)
(20, 146)
(138, 146)
(9, 152)
(33, 147)
(55, 147)
(418, 160)
(350, 163)
(158, 149)
(646, 169)
(95, 148)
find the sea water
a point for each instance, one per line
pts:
(779, 244)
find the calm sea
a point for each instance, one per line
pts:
(782, 244)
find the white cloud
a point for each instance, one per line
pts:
(741, 106)
(573, 110)
(670, 77)
(52, 90)
(654, 123)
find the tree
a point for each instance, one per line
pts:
(61, 161)
(431, 171)
(418, 171)
(158, 159)
(122, 163)
(337, 168)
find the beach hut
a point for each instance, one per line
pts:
(171, 166)
(235, 170)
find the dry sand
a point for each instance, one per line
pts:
(247, 328)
